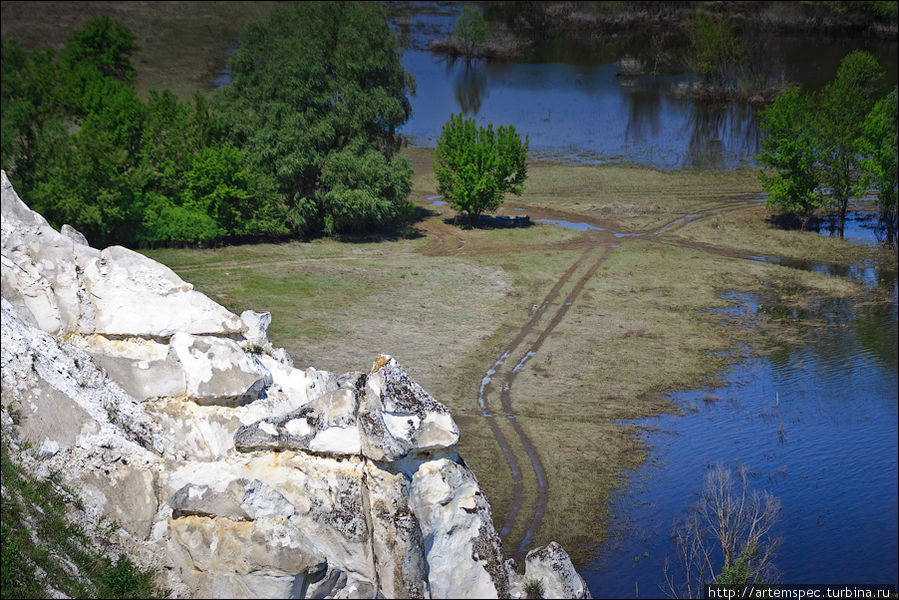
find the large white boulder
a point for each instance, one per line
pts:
(463, 551)
(62, 285)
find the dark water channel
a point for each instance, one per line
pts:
(566, 96)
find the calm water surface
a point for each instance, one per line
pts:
(564, 94)
(817, 427)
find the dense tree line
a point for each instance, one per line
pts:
(303, 139)
(827, 148)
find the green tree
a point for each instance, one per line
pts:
(104, 44)
(316, 89)
(475, 166)
(83, 149)
(790, 151)
(471, 31)
(33, 94)
(879, 150)
(839, 114)
(715, 49)
(83, 180)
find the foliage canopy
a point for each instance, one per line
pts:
(788, 146)
(829, 147)
(476, 166)
(304, 139)
(316, 97)
(83, 149)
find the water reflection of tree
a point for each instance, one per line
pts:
(644, 104)
(719, 130)
(470, 86)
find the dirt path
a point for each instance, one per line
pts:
(498, 381)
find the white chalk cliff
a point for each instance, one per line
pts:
(231, 472)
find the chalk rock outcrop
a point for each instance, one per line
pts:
(232, 472)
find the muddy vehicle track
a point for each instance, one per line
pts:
(598, 245)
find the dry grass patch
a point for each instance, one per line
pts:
(337, 312)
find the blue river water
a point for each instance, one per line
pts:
(815, 425)
(567, 95)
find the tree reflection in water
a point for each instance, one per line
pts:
(470, 86)
(720, 132)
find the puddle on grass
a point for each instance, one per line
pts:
(869, 275)
(570, 225)
(490, 373)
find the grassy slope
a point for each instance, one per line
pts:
(46, 553)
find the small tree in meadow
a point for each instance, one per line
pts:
(476, 166)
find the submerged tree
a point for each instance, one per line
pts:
(471, 31)
(715, 49)
(476, 166)
(788, 146)
(726, 540)
(880, 148)
(820, 146)
(839, 114)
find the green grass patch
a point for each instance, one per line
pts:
(43, 551)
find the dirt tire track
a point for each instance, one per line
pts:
(506, 396)
(486, 389)
(662, 234)
(505, 390)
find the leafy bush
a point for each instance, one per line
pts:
(475, 166)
